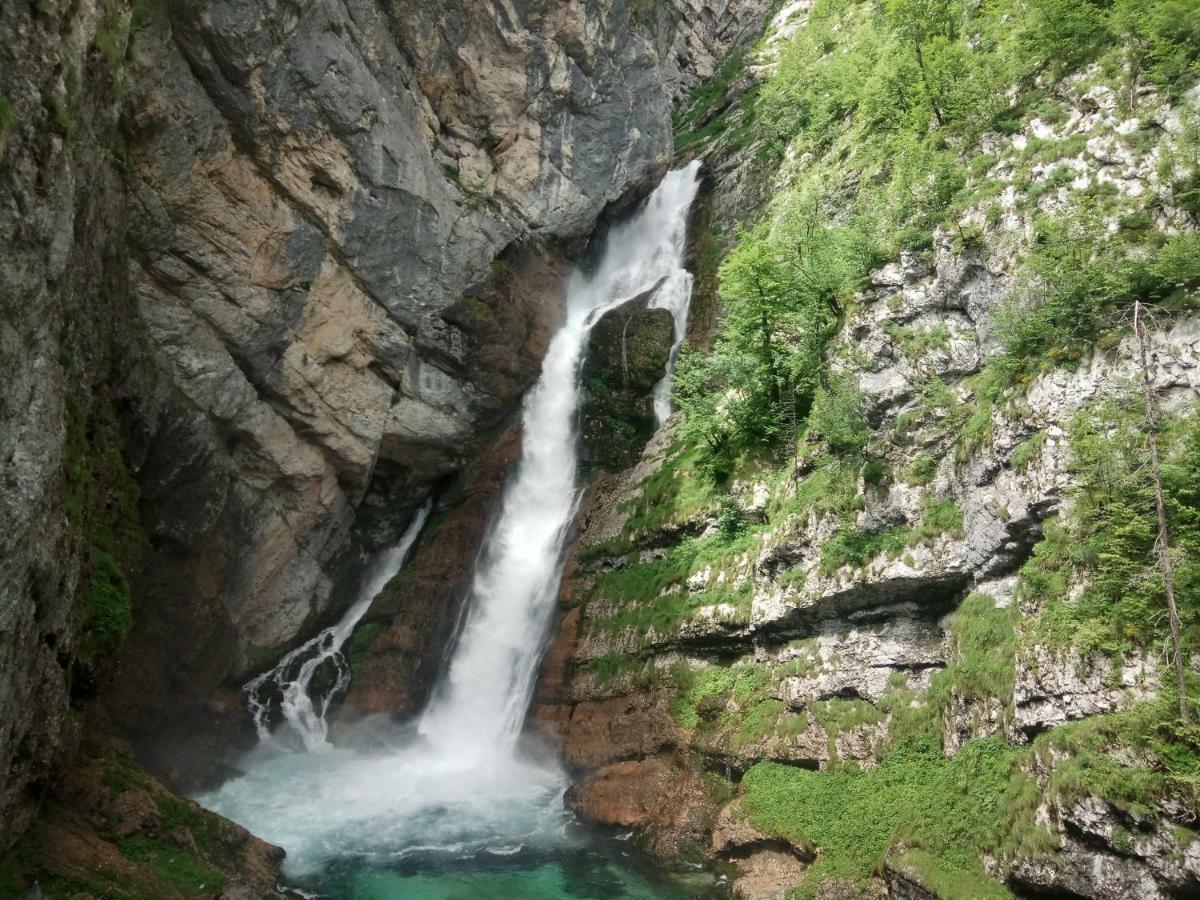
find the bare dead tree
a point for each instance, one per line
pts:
(1162, 543)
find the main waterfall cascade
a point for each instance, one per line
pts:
(463, 788)
(483, 701)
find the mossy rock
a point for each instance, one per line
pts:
(626, 355)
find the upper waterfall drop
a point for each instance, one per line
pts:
(486, 691)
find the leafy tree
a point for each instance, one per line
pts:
(1160, 40)
(920, 22)
(1059, 34)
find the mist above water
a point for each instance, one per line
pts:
(464, 787)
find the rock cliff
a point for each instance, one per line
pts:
(271, 266)
(883, 605)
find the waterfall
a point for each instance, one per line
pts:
(291, 679)
(461, 788)
(674, 295)
(482, 704)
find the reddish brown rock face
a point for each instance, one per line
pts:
(669, 803)
(550, 718)
(419, 613)
(105, 806)
(633, 794)
(604, 731)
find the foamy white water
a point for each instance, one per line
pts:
(463, 787)
(482, 705)
(292, 677)
(674, 295)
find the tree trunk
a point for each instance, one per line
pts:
(937, 111)
(1162, 543)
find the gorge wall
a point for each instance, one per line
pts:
(269, 266)
(900, 653)
(875, 614)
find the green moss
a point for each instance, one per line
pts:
(358, 647)
(176, 812)
(109, 604)
(854, 546)
(22, 871)
(701, 118)
(676, 491)
(59, 118)
(759, 721)
(684, 713)
(617, 669)
(109, 43)
(100, 493)
(950, 808)
(191, 876)
(652, 594)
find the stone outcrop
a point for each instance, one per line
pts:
(110, 829)
(61, 303)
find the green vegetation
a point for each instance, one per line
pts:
(853, 546)
(1078, 281)
(59, 118)
(1027, 451)
(619, 669)
(677, 490)
(732, 706)
(1107, 540)
(949, 808)
(921, 470)
(359, 644)
(915, 343)
(838, 418)
(110, 607)
(885, 103)
(191, 876)
(101, 497)
(874, 123)
(68, 852)
(984, 643)
(1135, 758)
(705, 115)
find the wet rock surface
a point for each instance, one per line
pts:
(317, 265)
(110, 829)
(626, 356)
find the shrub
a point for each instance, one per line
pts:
(838, 416)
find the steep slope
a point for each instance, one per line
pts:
(879, 613)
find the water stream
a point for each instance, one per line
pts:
(291, 681)
(461, 807)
